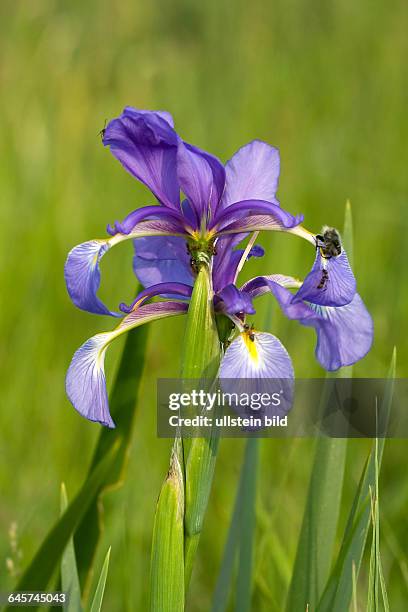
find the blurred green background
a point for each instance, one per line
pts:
(327, 83)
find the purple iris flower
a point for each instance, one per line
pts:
(220, 201)
(223, 205)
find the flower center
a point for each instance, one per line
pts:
(201, 251)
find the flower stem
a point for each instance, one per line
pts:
(200, 360)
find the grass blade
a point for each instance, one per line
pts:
(123, 409)
(100, 588)
(248, 492)
(240, 537)
(167, 562)
(338, 592)
(45, 562)
(318, 531)
(69, 571)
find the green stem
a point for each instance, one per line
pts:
(200, 360)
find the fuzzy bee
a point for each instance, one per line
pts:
(329, 242)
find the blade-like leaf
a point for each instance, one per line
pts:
(167, 562)
(45, 562)
(240, 537)
(69, 571)
(338, 592)
(123, 409)
(100, 588)
(248, 492)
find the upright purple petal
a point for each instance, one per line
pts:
(330, 282)
(230, 300)
(179, 290)
(252, 174)
(218, 176)
(160, 259)
(195, 178)
(83, 276)
(146, 145)
(85, 381)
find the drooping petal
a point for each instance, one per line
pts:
(85, 381)
(178, 290)
(195, 178)
(160, 259)
(330, 282)
(146, 145)
(344, 333)
(253, 215)
(230, 300)
(252, 174)
(218, 177)
(263, 357)
(351, 327)
(82, 272)
(83, 276)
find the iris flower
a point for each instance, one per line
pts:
(222, 205)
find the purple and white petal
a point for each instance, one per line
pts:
(252, 174)
(160, 259)
(230, 300)
(330, 282)
(196, 180)
(178, 290)
(263, 357)
(146, 145)
(85, 381)
(82, 272)
(351, 330)
(83, 276)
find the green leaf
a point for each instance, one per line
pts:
(338, 591)
(123, 410)
(318, 531)
(240, 537)
(45, 562)
(201, 359)
(100, 588)
(69, 571)
(167, 562)
(248, 492)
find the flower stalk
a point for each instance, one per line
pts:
(201, 359)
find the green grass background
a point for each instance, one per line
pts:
(327, 83)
